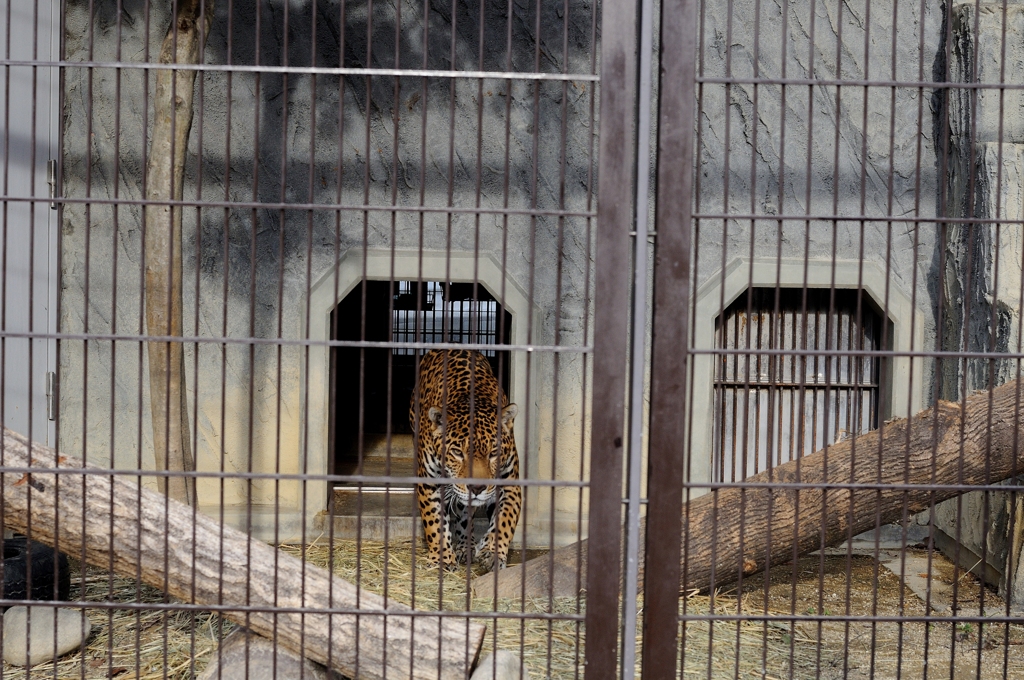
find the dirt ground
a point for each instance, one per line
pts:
(844, 643)
(847, 643)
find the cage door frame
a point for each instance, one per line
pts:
(32, 170)
(356, 265)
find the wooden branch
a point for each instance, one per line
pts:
(172, 122)
(114, 524)
(733, 531)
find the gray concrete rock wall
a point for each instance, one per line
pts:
(787, 158)
(986, 133)
(272, 141)
(278, 144)
(984, 266)
(821, 150)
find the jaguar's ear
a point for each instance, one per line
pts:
(508, 414)
(437, 418)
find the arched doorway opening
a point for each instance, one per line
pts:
(371, 386)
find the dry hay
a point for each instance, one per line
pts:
(549, 635)
(737, 649)
(551, 647)
(123, 640)
(850, 645)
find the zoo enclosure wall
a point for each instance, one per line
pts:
(276, 216)
(332, 145)
(304, 179)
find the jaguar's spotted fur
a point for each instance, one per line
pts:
(462, 424)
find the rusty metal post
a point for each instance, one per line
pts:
(614, 216)
(671, 337)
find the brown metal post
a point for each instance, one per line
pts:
(671, 337)
(614, 217)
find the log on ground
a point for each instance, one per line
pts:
(732, 531)
(113, 524)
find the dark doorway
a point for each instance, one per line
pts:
(371, 387)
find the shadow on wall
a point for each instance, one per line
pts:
(316, 140)
(288, 154)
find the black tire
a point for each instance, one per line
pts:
(17, 553)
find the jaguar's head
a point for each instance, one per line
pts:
(471, 444)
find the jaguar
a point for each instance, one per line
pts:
(462, 425)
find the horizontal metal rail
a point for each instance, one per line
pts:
(317, 207)
(307, 70)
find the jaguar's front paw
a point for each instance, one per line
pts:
(487, 557)
(484, 557)
(445, 558)
(463, 555)
(450, 560)
(485, 545)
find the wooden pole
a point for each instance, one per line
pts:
(112, 523)
(165, 174)
(720, 543)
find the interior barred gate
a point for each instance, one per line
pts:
(750, 272)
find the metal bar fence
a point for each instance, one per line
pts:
(835, 246)
(822, 195)
(336, 150)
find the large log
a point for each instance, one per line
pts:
(115, 524)
(165, 178)
(733, 531)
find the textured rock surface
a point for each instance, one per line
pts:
(37, 634)
(500, 665)
(985, 266)
(986, 167)
(769, 150)
(324, 140)
(243, 655)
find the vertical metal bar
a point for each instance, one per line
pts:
(58, 232)
(639, 340)
(671, 337)
(611, 264)
(587, 329)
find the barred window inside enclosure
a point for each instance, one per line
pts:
(773, 408)
(453, 312)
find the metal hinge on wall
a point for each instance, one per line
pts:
(51, 179)
(51, 395)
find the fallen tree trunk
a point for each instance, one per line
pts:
(165, 178)
(114, 524)
(735, 531)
